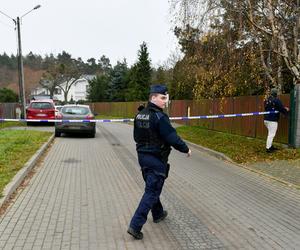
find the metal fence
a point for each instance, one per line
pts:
(251, 126)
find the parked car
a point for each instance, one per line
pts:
(75, 112)
(41, 110)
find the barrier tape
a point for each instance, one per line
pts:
(182, 118)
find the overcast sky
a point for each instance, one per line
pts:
(90, 28)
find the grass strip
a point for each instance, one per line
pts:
(16, 148)
(12, 124)
(240, 149)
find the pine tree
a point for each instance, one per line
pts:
(140, 76)
(97, 90)
(118, 83)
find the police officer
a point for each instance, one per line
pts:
(154, 136)
(271, 120)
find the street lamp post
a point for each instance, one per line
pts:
(22, 97)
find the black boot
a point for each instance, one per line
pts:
(273, 148)
(269, 150)
(136, 234)
(164, 215)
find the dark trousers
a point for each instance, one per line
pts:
(150, 200)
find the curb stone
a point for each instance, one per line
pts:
(211, 152)
(12, 186)
(223, 157)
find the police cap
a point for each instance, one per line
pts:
(159, 89)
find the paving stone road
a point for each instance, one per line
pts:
(85, 191)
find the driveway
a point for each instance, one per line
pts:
(85, 191)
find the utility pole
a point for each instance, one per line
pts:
(21, 70)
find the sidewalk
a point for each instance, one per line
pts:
(85, 191)
(285, 171)
(288, 171)
(81, 197)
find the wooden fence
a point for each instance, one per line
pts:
(8, 110)
(251, 126)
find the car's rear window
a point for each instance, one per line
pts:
(41, 105)
(75, 110)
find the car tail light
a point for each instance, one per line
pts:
(89, 117)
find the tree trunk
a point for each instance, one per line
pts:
(66, 96)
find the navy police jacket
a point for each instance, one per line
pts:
(154, 134)
(274, 104)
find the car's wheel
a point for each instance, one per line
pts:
(92, 134)
(57, 133)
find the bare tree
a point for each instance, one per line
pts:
(275, 25)
(70, 73)
(52, 78)
(61, 75)
(271, 25)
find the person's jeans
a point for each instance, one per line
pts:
(150, 200)
(272, 128)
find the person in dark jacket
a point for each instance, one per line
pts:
(271, 120)
(154, 136)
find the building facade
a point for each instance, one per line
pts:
(77, 92)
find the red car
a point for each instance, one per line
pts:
(41, 110)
